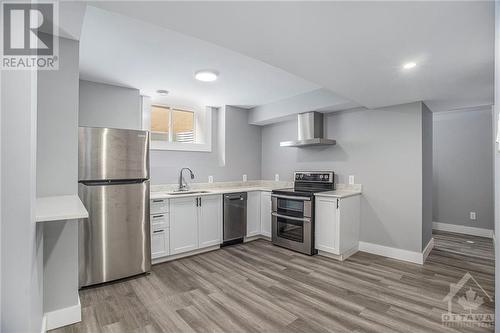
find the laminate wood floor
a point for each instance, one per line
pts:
(258, 287)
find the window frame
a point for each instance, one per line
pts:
(202, 128)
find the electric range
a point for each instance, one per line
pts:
(293, 210)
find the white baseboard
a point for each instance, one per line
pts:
(461, 229)
(63, 317)
(44, 324)
(428, 248)
(392, 252)
(184, 255)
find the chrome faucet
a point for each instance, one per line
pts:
(184, 186)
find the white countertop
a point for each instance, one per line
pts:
(339, 194)
(224, 190)
(342, 191)
(64, 207)
(164, 192)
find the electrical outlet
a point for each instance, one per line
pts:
(277, 177)
(244, 178)
(351, 180)
(210, 179)
(473, 216)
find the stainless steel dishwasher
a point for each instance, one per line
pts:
(235, 218)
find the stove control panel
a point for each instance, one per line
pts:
(314, 176)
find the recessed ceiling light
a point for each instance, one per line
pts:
(409, 65)
(162, 92)
(206, 75)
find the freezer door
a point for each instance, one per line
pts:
(114, 242)
(108, 153)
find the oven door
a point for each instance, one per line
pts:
(292, 232)
(291, 205)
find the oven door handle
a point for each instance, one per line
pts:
(305, 219)
(279, 196)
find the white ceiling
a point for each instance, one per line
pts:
(119, 50)
(356, 48)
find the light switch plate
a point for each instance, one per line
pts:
(473, 216)
(351, 180)
(277, 177)
(210, 179)
(244, 178)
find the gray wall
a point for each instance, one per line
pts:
(463, 168)
(103, 105)
(21, 242)
(383, 149)
(57, 173)
(233, 140)
(235, 143)
(319, 99)
(497, 153)
(427, 138)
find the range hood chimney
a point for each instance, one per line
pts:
(310, 131)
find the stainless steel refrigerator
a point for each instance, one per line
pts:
(113, 173)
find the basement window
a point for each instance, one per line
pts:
(177, 128)
(172, 125)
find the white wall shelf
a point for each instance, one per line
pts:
(56, 208)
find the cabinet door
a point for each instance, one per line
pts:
(326, 228)
(265, 214)
(183, 225)
(210, 220)
(253, 213)
(160, 243)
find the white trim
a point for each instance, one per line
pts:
(185, 254)
(427, 249)
(392, 252)
(64, 316)
(44, 324)
(462, 229)
(340, 257)
(180, 146)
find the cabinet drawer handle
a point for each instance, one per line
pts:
(157, 231)
(158, 200)
(158, 216)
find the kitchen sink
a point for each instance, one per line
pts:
(187, 192)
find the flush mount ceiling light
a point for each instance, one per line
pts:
(409, 65)
(206, 75)
(162, 92)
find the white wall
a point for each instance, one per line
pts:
(382, 148)
(57, 173)
(21, 279)
(463, 169)
(103, 105)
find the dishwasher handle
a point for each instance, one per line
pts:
(236, 196)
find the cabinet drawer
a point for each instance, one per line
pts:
(160, 219)
(158, 206)
(160, 242)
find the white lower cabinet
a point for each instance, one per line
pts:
(265, 214)
(160, 246)
(210, 220)
(195, 222)
(160, 228)
(183, 225)
(253, 213)
(337, 225)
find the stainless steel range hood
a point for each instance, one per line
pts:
(310, 131)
